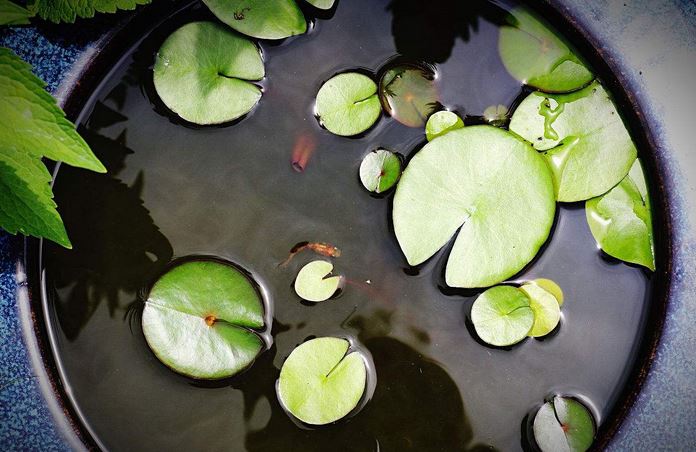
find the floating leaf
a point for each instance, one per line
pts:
(551, 287)
(313, 282)
(496, 115)
(547, 311)
(263, 19)
(502, 316)
(204, 71)
(564, 424)
(440, 123)
(585, 141)
(198, 319)
(347, 104)
(319, 383)
(380, 170)
(536, 56)
(621, 221)
(408, 93)
(487, 182)
(321, 4)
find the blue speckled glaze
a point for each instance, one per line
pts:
(652, 44)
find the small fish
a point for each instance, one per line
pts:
(323, 249)
(302, 151)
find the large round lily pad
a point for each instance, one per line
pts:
(347, 104)
(319, 383)
(204, 73)
(487, 182)
(264, 19)
(199, 319)
(502, 316)
(583, 138)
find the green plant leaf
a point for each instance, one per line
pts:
(496, 115)
(198, 319)
(502, 316)
(14, 14)
(548, 432)
(321, 4)
(408, 93)
(547, 310)
(319, 383)
(203, 73)
(583, 138)
(551, 287)
(314, 283)
(621, 221)
(536, 56)
(487, 182)
(68, 10)
(564, 424)
(440, 123)
(347, 104)
(379, 170)
(263, 19)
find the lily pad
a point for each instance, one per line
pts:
(321, 4)
(313, 282)
(583, 139)
(408, 93)
(319, 383)
(347, 104)
(551, 287)
(263, 19)
(502, 316)
(199, 319)
(621, 221)
(564, 424)
(379, 170)
(547, 311)
(204, 73)
(496, 115)
(440, 123)
(490, 185)
(536, 56)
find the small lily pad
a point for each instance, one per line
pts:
(319, 383)
(547, 311)
(621, 221)
(582, 137)
(551, 287)
(502, 316)
(199, 319)
(379, 170)
(536, 56)
(263, 19)
(564, 424)
(408, 93)
(313, 282)
(347, 104)
(204, 73)
(440, 123)
(496, 115)
(321, 4)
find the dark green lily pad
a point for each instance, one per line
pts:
(204, 73)
(347, 104)
(199, 319)
(379, 170)
(319, 383)
(564, 424)
(408, 93)
(502, 316)
(440, 123)
(263, 19)
(315, 283)
(536, 56)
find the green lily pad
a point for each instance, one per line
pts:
(380, 170)
(564, 424)
(487, 182)
(204, 73)
(536, 56)
(551, 287)
(621, 221)
(313, 282)
(319, 383)
(408, 93)
(199, 319)
(263, 19)
(440, 123)
(502, 316)
(496, 115)
(347, 104)
(547, 311)
(321, 4)
(583, 138)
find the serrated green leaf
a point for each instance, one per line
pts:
(68, 10)
(263, 19)
(13, 14)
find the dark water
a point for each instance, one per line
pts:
(231, 191)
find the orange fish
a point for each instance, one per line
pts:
(320, 248)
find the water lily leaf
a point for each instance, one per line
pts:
(583, 138)
(442, 122)
(621, 221)
(321, 4)
(548, 432)
(319, 383)
(204, 73)
(313, 282)
(379, 170)
(487, 182)
(496, 115)
(198, 319)
(263, 19)
(408, 93)
(547, 311)
(551, 287)
(536, 56)
(502, 316)
(347, 104)
(564, 424)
